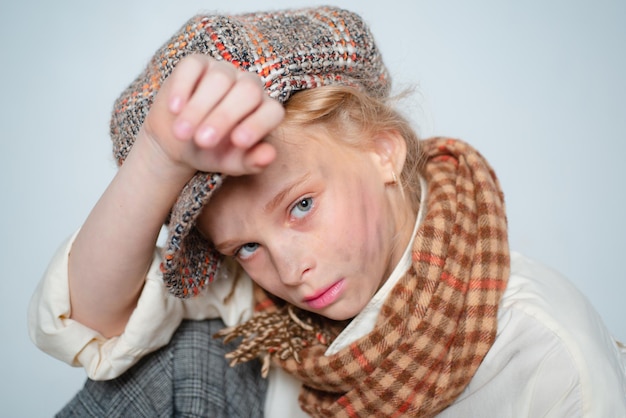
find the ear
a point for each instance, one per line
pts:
(389, 154)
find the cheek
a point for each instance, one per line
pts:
(363, 224)
(373, 232)
(264, 275)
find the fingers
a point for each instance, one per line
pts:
(196, 86)
(244, 99)
(183, 81)
(253, 160)
(226, 159)
(211, 116)
(259, 157)
(265, 118)
(213, 100)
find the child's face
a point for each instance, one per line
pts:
(315, 228)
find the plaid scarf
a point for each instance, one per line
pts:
(435, 327)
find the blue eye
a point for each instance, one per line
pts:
(245, 251)
(301, 208)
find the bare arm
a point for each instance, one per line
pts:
(208, 116)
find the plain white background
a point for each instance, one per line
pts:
(537, 86)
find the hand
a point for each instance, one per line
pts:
(210, 116)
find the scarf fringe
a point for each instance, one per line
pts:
(281, 334)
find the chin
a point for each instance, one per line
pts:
(340, 314)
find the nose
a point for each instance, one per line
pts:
(293, 260)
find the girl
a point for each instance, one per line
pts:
(368, 270)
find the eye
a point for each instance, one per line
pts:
(245, 251)
(301, 208)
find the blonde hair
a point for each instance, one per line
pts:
(357, 118)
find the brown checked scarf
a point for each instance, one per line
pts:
(437, 324)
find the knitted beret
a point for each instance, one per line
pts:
(290, 50)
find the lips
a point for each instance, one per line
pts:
(325, 297)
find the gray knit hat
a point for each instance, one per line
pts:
(290, 50)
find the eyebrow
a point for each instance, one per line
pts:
(223, 246)
(280, 196)
(269, 206)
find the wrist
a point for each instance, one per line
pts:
(157, 163)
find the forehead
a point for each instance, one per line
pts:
(301, 154)
(297, 152)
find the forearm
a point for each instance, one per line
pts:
(186, 130)
(114, 248)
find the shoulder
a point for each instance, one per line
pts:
(551, 303)
(552, 357)
(549, 330)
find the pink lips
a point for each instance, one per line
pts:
(326, 296)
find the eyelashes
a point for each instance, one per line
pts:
(302, 207)
(246, 251)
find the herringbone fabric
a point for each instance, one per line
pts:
(187, 378)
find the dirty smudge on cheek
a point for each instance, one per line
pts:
(371, 230)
